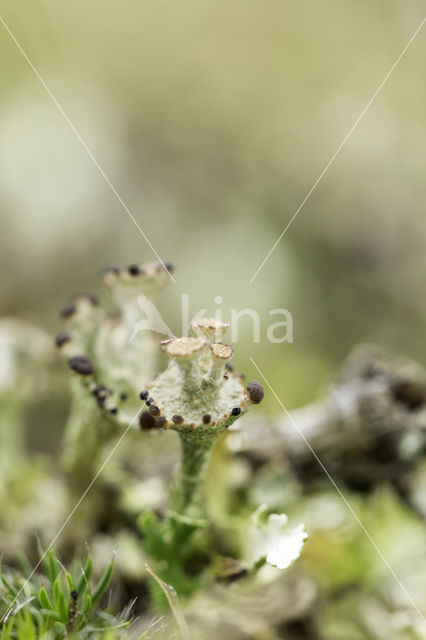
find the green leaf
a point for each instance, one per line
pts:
(25, 566)
(51, 614)
(103, 583)
(70, 581)
(83, 622)
(62, 608)
(86, 575)
(60, 628)
(87, 604)
(56, 592)
(6, 632)
(153, 532)
(53, 566)
(25, 625)
(44, 599)
(9, 587)
(41, 620)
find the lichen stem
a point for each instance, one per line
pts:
(189, 483)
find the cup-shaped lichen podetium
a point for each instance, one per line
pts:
(110, 357)
(198, 396)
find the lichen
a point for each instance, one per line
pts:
(199, 398)
(198, 395)
(108, 364)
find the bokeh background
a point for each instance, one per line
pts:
(212, 121)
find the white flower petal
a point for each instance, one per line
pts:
(285, 547)
(270, 539)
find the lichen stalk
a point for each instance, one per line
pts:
(189, 484)
(190, 376)
(220, 354)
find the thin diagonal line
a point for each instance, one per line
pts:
(78, 503)
(64, 524)
(346, 502)
(342, 144)
(86, 148)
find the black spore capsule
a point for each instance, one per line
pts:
(177, 419)
(160, 422)
(68, 311)
(134, 270)
(81, 365)
(236, 411)
(146, 421)
(144, 394)
(154, 410)
(62, 338)
(255, 391)
(206, 418)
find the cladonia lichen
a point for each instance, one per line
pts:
(199, 396)
(107, 369)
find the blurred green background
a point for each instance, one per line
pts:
(212, 121)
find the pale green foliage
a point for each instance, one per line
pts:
(57, 603)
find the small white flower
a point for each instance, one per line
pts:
(270, 539)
